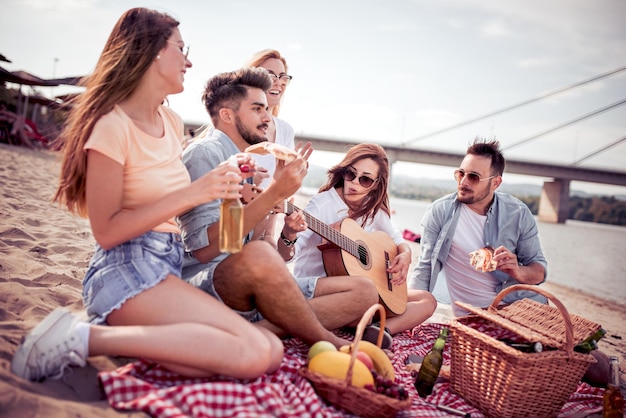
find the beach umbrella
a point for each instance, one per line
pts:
(25, 78)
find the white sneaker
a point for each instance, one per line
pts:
(50, 348)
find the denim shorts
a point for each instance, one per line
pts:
(128, 269)
(307, 286)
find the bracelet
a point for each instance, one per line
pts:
(286, 241)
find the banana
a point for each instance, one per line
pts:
(381, 361)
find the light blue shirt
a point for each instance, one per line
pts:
(509, 223)
(200, 157)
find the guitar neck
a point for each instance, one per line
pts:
(327, 232)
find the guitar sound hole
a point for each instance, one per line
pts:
(363, 255)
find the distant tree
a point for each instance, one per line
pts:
(604, 209)
(585, 216)
(532, 202)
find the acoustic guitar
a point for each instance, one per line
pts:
(350, 251)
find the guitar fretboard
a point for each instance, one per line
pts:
(329, 233)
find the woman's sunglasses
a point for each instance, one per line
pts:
(349, 175)
(473, 178)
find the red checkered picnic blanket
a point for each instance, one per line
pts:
(148, 387)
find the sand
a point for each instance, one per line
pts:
(44, 252)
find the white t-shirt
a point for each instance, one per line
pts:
(329, 208)
(464, 282)
(284, 136)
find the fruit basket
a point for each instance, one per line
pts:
(504, 382)
(357, 400)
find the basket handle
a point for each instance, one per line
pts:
(569, 329)
(365, 320)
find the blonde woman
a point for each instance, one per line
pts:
(279, 131)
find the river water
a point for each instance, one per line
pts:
(586, 256)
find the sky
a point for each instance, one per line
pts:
(385, 71)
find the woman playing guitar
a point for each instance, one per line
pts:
(355, 200)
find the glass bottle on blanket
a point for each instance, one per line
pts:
(431, 365)
(613, 398)
(231, 222)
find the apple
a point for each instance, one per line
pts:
(320, 347)
(365, 359)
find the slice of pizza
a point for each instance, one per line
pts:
(281, 152)
(482, 259)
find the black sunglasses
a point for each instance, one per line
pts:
(349, 175)
(473, 178)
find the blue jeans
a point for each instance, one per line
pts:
(124, 271)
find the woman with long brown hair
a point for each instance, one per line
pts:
(357, 188)
(122, 169)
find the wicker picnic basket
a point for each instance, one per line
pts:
(356, 400)
(504, 382)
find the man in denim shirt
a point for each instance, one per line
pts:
(477, 216)
(255, 282)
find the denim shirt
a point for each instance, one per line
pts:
(200, 157)
(509, 223)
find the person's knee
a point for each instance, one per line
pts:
(267, 264)
(260, 255)
(423, 301)
(364, 289)
(255, 259)
(430, 302)
(277, 351)
(259, 353)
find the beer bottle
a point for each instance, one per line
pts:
(431, 365)
(590, 343)
(525, 347)
(613, 399)
(231, 221)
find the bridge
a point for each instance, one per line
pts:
(554, 202)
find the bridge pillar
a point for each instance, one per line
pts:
(554, 202)
(392, 157)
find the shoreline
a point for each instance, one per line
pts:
(44, 252)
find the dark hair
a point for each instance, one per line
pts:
(490, 149)
(377, 198)
(228, 89)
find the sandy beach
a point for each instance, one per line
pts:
(44, 252)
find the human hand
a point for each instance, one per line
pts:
(288, 177)
(304, 150)
(507, 261)
(399, 267)
(260, 175)
(294, 223)
(223, 182)
(247, 165)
